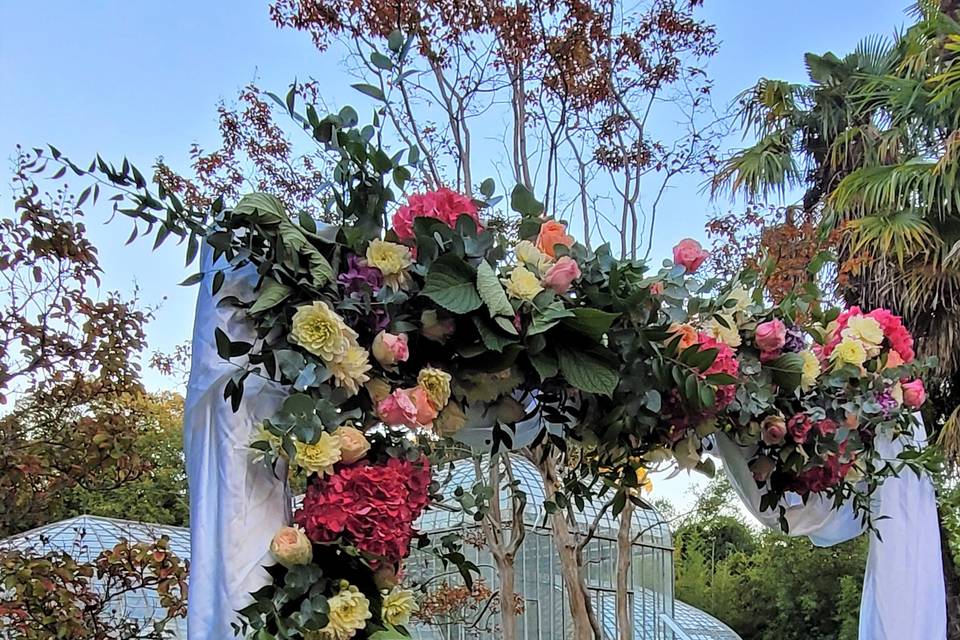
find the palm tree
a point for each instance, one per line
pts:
(873, 144)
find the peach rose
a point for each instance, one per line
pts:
(562, 274)
(688, 335)
(894, 359)
(378, 388)
(290, 546)
(389, 349)
(761, 468)
(426, 412)
(771, 335)
(353, 444)
(914, 394)
(551, 234)
(689, 254)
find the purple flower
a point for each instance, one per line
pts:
(360, 277)
(887, 403)
(795, 342)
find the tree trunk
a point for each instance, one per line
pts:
(624, 561)
(583, 618)
(508, 603)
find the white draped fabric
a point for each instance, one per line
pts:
(235, 505)
(903, 590)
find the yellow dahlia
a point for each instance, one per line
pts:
(811, 369)
(318, 329)
(391, 259)
(320, 456)
(350, 369)
(398, 605)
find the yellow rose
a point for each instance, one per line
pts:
(436, 384)
(522, 284)
(811, 369)
(398, 605)
(728, 335)
(350, 369)
(850, 352)
(320, 456)
(391, 259)
(349, 612)
(353, 444)
(318, 329)
(864, 329)
(528, 255)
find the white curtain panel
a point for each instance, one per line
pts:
(236, 505)
(903, 589)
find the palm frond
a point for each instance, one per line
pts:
(770, 106)
(875, 55)
(766, 167)
(915, 184)
(903, 235)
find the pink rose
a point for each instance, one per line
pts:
(562, 274)
(656, 288)
(689, 254)
(774, 430)
(389, 349)
(914, 395)
(426, 412)
(398, 409)
(771, 336)
(825, 427)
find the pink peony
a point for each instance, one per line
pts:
(914, 394)
(390, 349)
(398, 409)
(562, 274)
(689, 254)
(771, 335)
(443, 204)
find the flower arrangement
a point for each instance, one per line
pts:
(390, 339)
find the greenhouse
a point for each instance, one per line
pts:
(657, 614)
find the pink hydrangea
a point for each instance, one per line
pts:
(443, 204)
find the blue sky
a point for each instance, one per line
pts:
(143, 79)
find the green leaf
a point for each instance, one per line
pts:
(381, 61)
(450, 283)
(548, 318)
(786, 370)
(370, 90)
(491, 291)
(395, 41)
(592, 322)
(586, 371)
(487, 187)
(491, 338)
(546, 364)
(524, 203)
(271, 294)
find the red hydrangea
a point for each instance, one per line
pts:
(828, 475)
(727, 363)
(372, 506)
(894, 332)
(443, 204)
